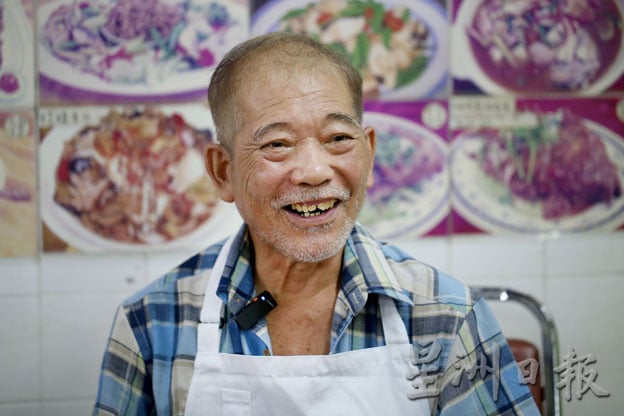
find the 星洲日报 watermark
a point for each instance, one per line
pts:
(576, 373)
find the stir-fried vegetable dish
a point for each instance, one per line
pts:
(389, 47)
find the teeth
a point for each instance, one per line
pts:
(311, 210)
(326, 205)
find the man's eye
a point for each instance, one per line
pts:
(340, 138)
(275, 145)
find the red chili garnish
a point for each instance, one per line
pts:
(392, 22)
(369, 13)
(323, 18)
(178, 120)
(62, 171)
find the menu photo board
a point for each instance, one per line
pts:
(401, 48)
(17, 60)
(537, 166)
(531, 47)
(124, 52)
(410, 194)
(18, 195)
(128, 178)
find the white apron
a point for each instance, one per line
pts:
(370, 381)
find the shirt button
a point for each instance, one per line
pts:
(266, 352)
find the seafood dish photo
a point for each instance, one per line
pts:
(538, 46)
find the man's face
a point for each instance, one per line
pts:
(300, 164)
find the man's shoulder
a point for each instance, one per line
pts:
(183, 283)
(426, 283)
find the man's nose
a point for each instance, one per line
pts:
(312, 164)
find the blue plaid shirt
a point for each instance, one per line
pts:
(466, 363)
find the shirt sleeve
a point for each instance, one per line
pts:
(124, 385)
(482, 376)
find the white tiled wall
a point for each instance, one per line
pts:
(56, 311)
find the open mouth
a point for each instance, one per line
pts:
(312, 210)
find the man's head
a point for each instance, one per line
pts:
(278, 50)
(295, 158)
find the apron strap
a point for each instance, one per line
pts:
(208, 333)
(211, 309)
(392, 323)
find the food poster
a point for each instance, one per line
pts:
(128, 178)
(134, 51)
(410, 194)
(543, 167)
(400, 47)
(17, 63)
(531, 47)
(18, 196)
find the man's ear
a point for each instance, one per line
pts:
(217, 166)
(371, 137)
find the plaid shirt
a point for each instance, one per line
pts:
(466, 364)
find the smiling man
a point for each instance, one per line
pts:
(302, 311)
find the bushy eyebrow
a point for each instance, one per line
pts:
(344, 117)
(258, 134)
(281, 125)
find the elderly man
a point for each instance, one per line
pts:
(302, 311)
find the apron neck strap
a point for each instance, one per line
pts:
(392, 323)
(211, 309)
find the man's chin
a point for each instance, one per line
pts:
(316, 244)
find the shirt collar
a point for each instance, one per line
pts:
(364, 270)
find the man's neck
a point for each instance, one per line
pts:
(306, 296)
(286, 278)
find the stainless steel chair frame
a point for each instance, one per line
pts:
(550, 345)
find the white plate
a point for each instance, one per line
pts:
(411, 210)
(477, 198)
(175, 83)
(17, 56)
(465, 66)
(223, 221)
(433, 78)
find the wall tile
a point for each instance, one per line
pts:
(499, 256)
(588, 316)
(588, 319)
(21, 409)
(19, 275)
(68, 407)
(586, 255)
(75, 330)
(19, 348)
(82, 273)
(593, 405)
